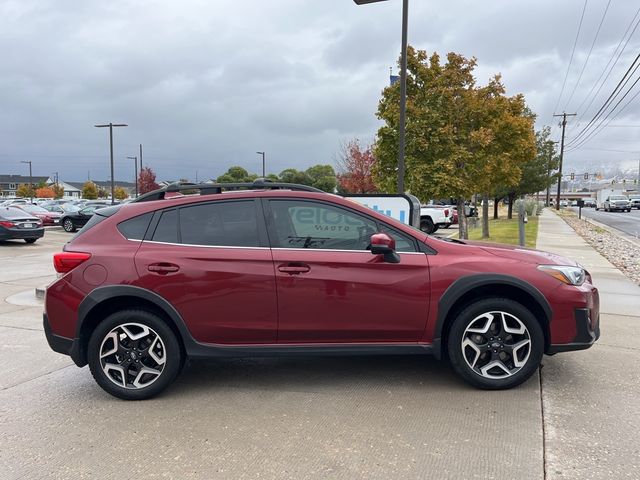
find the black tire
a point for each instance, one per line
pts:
(169, 352)
(461, 357)
(30, 240)
(447, 225)
(68, 226)
(427, 226)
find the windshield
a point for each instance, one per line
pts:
(618, 197)
(33, 209)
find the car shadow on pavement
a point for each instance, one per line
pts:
(317, 373)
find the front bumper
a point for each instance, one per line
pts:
(587, 333)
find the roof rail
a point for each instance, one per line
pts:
(216, 188)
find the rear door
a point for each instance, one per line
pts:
(331, 289)
(211, 261)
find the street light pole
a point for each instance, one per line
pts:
(30, 180)
(111, 125)
(135, 164)
(264, 175)
(403, 88)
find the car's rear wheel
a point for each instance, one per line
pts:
(134, 355)
(68, 225)
(495, 343)
(30, 240)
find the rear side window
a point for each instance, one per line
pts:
(224, 224)
(136, 227)
(167, 229)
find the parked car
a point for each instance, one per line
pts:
(432, 217)
(616, 203)
(18, 224)
(14, 201)
(449, 213)
(634, 202)
(287, 269)
(49, 219)
(72, 220)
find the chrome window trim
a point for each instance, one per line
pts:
(202, 246)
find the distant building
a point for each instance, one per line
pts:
(9, 183)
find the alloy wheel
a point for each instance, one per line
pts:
(132, 355)
(496, 345)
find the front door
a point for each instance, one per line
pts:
(331, 289)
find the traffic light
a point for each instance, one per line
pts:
(586, 176)
(573, 176)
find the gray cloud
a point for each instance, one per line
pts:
(204, 84)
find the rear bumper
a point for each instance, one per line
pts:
(587, 333)
(12, 233)
(64, 345)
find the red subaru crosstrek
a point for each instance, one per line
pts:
(283, 269)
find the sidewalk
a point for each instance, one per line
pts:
(591, 399)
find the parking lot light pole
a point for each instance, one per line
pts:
(111, 125)
(135, 164)
(264, 175)
(403, 88)
(30, 180)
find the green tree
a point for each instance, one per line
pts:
(291, 175)
(120, 193)
(58, 190)
(25, 191)
(236, 175)
(458, 135)
(90, 191)
(322, 177)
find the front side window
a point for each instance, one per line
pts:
(300, 224)
(224, 224)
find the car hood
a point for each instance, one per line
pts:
(522, 254)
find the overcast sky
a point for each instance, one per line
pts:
(204, 84)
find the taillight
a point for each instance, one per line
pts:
(7, 224)
(66, 261)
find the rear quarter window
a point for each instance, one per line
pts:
(136, 227)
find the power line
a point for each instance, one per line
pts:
(623, 81)
(635, 19)
(615, 116)
(573, 51)
(595, 38)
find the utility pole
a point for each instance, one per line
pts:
(564, 124)
(140, 157)
(111, 125)
(551, 152)
(264, 175)
(135, 164)
(403, 88)
(30, 180)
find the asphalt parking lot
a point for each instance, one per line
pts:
(340, 417)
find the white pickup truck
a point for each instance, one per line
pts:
(433, 217)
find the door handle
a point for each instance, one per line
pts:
(293, 269)
(163, 268)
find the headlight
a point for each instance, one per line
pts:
(566, 274)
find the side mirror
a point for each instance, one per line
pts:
(383, 244)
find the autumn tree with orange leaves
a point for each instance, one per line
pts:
(355, 166)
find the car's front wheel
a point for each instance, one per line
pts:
(134, 355)
(495, 343)
(68, 225)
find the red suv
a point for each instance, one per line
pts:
(284, 269)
